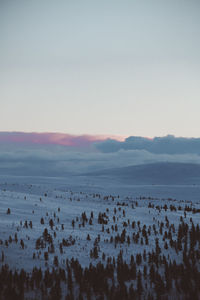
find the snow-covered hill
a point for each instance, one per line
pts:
(156, 173)
(54, 226)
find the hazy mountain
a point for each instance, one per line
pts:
(155, 173)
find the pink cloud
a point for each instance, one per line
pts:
(54, 138)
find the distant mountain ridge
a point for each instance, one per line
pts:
(155, 173)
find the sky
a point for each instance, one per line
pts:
(100, 67)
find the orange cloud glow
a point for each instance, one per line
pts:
(55, 138)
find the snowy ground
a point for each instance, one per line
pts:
(64, 200)
(33, 201)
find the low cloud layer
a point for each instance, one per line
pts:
(43, 159)
(104, 143)
(48, 138)
(158, 145)
(59, 162)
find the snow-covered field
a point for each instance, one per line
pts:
(50, 222)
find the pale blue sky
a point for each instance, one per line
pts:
(100, 67)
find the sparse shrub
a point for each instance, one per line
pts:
(55, 261)
(46, 255)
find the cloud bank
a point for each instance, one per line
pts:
(49, 138)
(158, 145)
(45, 155)
(58, 162)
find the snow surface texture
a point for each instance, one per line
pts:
(69, 209)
